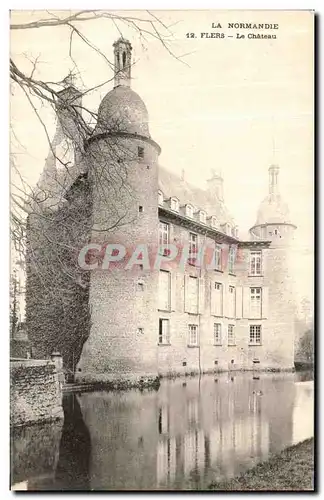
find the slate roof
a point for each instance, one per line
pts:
(172, 185)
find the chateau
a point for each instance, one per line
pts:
(237, 313)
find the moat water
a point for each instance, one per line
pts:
(186, 434)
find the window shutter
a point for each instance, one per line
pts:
(173, 291)
(212, 298)
(186, 294)
(265, 302)
(239, 301)
(222, 332)
(201, 296)
(225, 300)
(246, 302)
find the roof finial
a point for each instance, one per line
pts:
(273, 179)
(123, 62)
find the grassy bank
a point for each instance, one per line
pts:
(292, 469)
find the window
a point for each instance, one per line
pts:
(214, 222)
(193, 410)
(255, 263)
(166, 461)
(231, 335)
(140, 152)
(202, 217)
(164, 290)
(175, 204)
(255, 302)
(231, 301)
(189, 210)
(164, 331)
(164, 233)
(193, 294)
(140, 209)
(218, 257)
(231, 259)
(193, 248)
(193, 335)
(218, 298)
(163, 425)
(160, 198)
(217, 334)
(255, 334)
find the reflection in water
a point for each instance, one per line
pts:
(303, 415)
(181, 436)
(72, 472)
(34, 454)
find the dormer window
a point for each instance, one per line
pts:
(214, 221)
(175, 204)
(160, 198)
(189, 211)
(202, 216)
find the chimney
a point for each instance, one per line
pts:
(215, 185)
(68, 109)
(70, 95)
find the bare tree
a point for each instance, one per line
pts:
(14, 305)
(39, 93)
(51, 221)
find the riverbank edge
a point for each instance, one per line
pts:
(124, 383)
(290, 470)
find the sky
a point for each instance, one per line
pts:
(232, 105)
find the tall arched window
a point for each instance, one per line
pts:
(124, 59)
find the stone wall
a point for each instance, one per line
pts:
(35, 392)
(35, 453)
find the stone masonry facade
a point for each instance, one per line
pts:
(35, 392)
(146, 323)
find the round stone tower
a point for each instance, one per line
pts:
(122, 164)
(273, 223)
